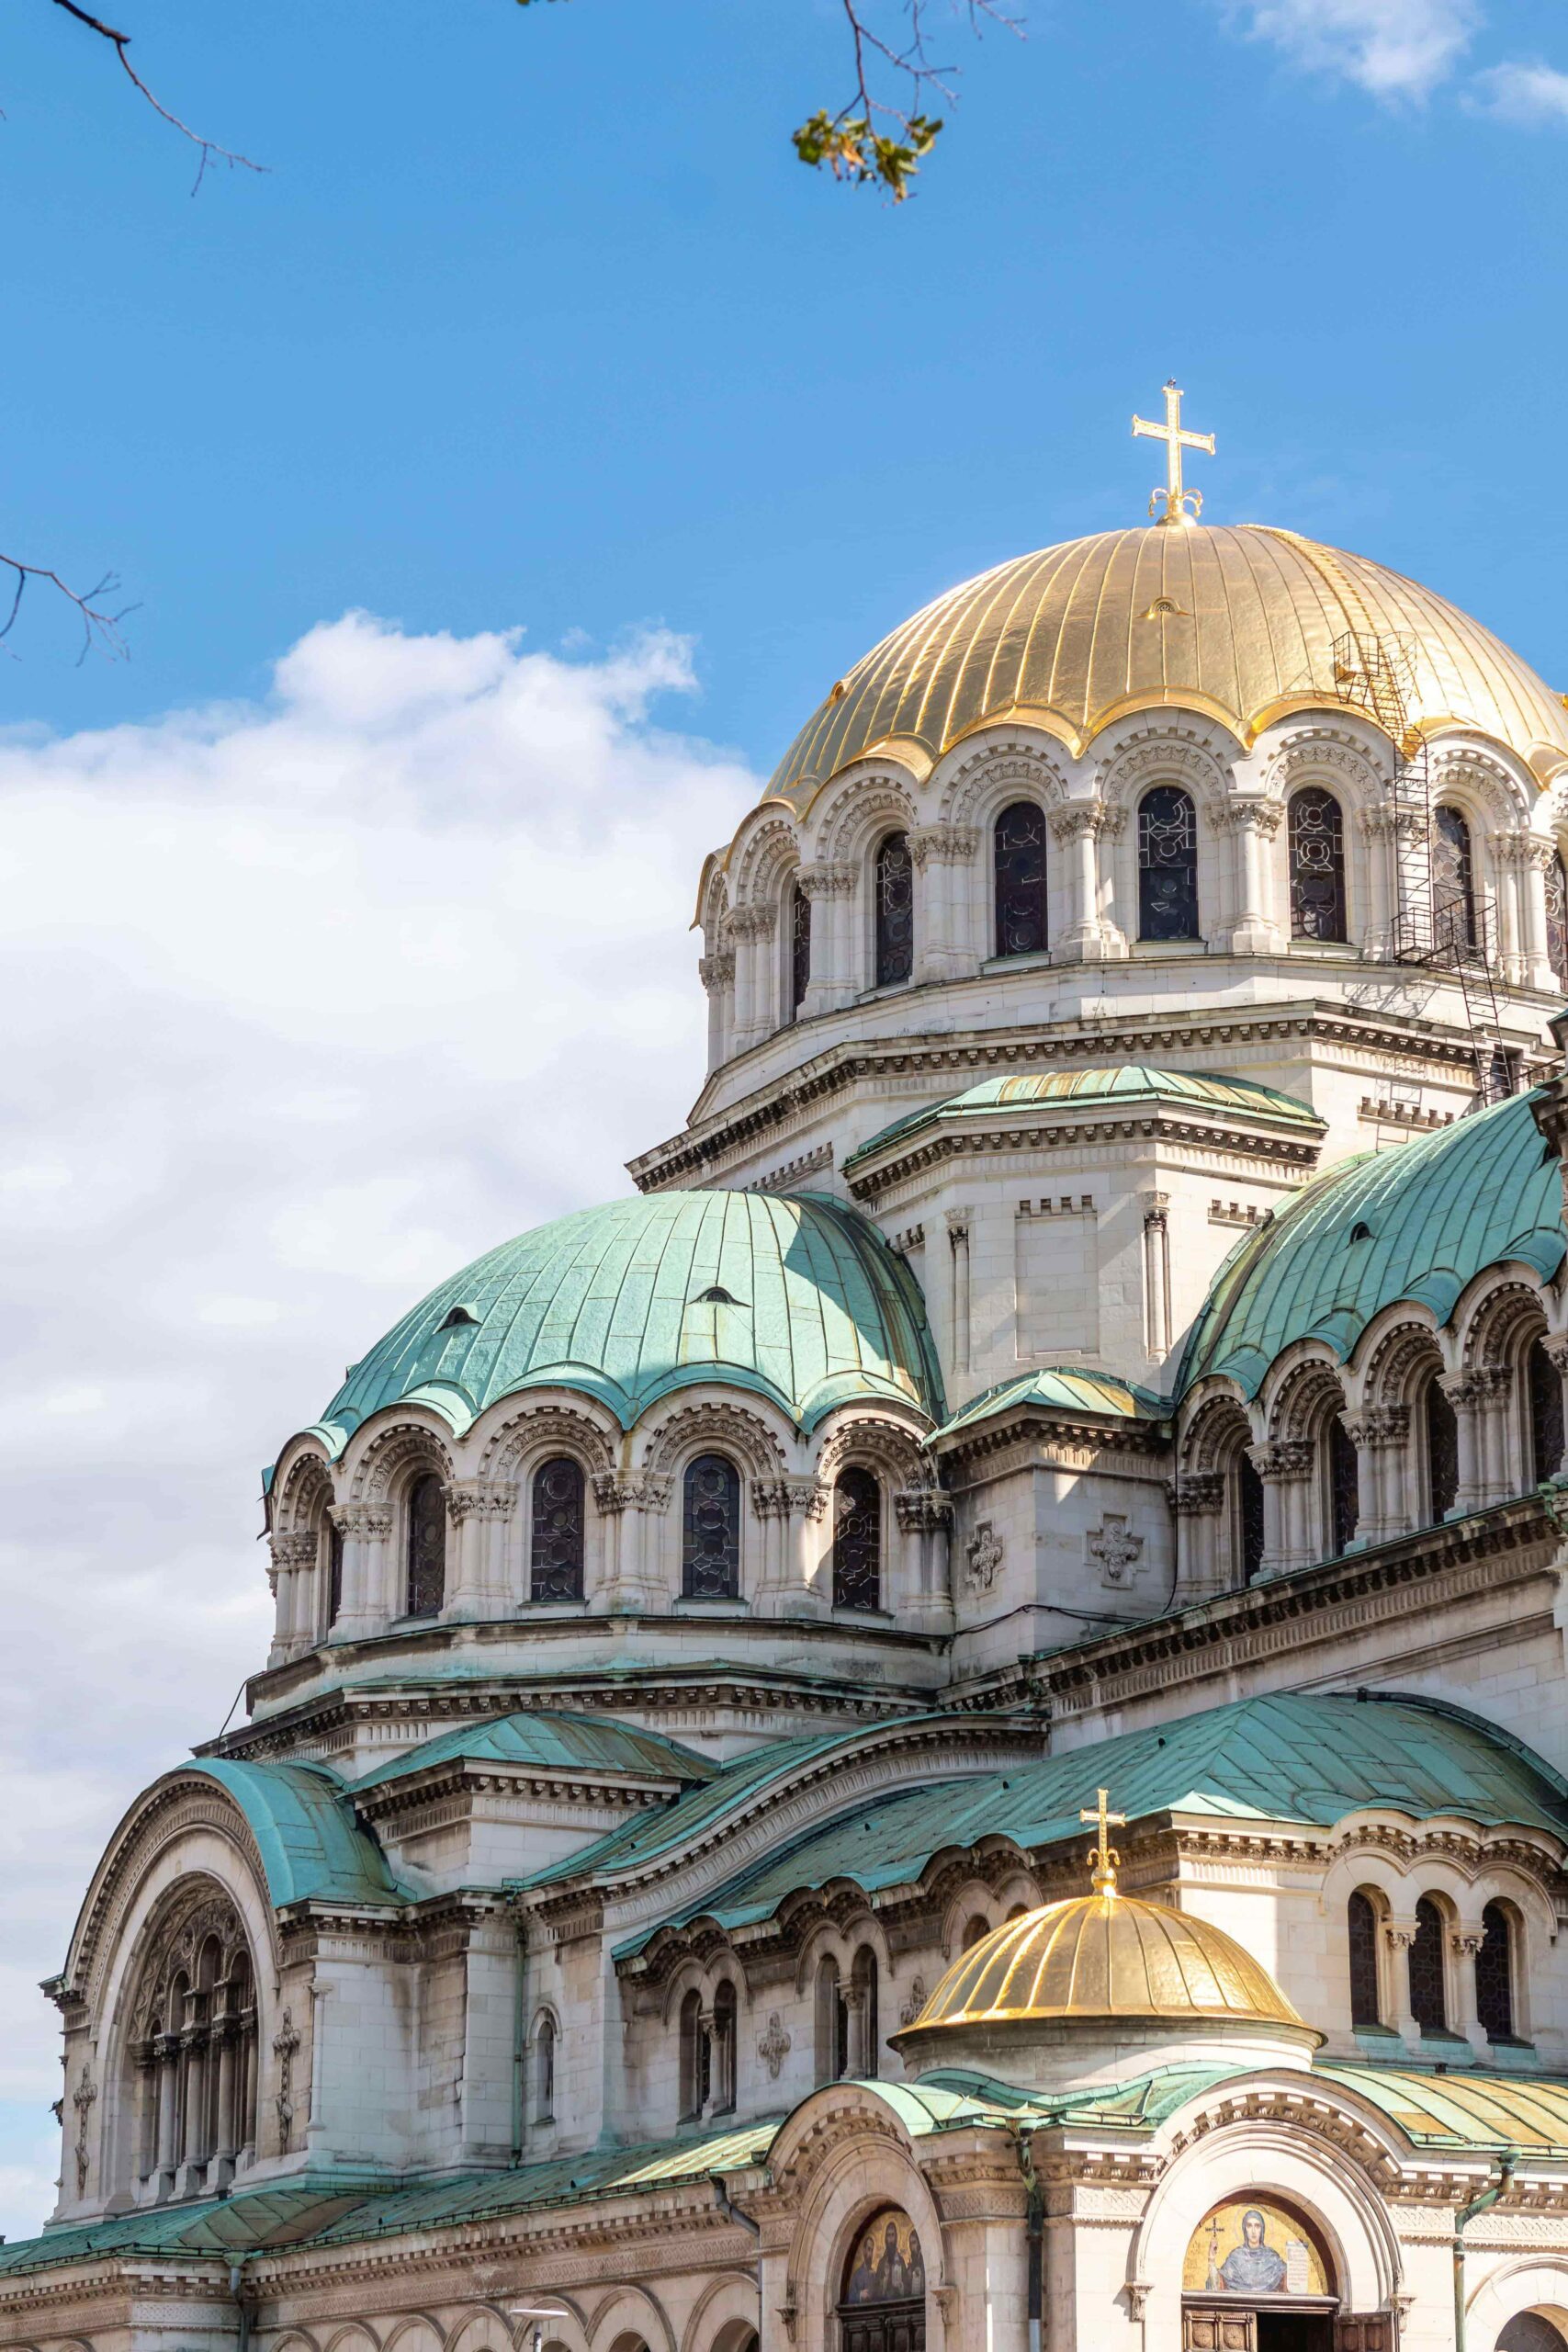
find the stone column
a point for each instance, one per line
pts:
(788, 1510)
(1089, 937)
(1377, 831)
(1198, 1500)
(938, 853)
(479, 1510)
(293, 1588)
(629, 1502)
(925, 1518)
(751, 930)
(1479, 1397)
(716, 973)
(1398, 1937)
(834, 982)
(226, 2146)
(1464, 1945)
(1523, 861)
(1156, 1274)
(958, 1303)
(1254, 927)
(1411, 857)
(167, 2048)
(366, 1529)
(1285, 1467)
(1381, 1435)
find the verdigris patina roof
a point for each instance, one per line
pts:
(799, 1299)
(1119, 1087)
(1417, 1223)
(311, 1843)
(1308, 1760)
(1060, 1389)
(551, 1740)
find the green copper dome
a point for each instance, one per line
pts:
(1124, 1087)
(799, 1299)
(1419, 1222)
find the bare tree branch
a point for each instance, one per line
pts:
(851, 143)
(210, 151)
(99, 626)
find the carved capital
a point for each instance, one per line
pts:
(1259, 816)
(943, 844)
(750, 922)
(1078, 818)
(958, 1226)
(296, 1551)
(366, 1521)
(481, 1499)
(826, 881)
(642, 1490)
(718, 970)
(1282, 1460)
(923, 1508)
(1198, 1493)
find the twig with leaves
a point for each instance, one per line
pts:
(209, 151)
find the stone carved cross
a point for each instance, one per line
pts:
(984, 1556)
(1113, 1549)
(82, 2099)
(285, 2043)
(774, 2047)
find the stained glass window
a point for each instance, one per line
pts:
(857, 1541)
(895, 912)
(1557, 918)
(1344, 1486)
(426, 1547)
(710, 1529)
(1442, 1450)
(334, 1572)
(1429, 1998)
(1249, 1511)
(1453, 880)
(1546, 1412)
(555, 1531)
(1495, 1975)
(1019, 845)
(1361, 1933)
(799, 947)
(1317, 866)
(1168, 865)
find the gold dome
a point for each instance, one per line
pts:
(1104, 1955)
(1237, 620)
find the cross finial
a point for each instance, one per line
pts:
(1103, 1858)
(1176, 438)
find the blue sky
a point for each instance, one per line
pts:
(536, 325)
(535, 321)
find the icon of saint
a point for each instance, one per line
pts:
(1253, 2268)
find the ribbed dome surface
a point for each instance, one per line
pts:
(1075, 633)
(1104, 1956)
(799, 1299)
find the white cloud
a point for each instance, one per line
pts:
(1531, 96)
(307, 1003)
(1395, 49)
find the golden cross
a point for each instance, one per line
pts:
(1176, 438)
(1103, 1858)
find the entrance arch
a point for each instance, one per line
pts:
(1258, 2276)
(882, 2296)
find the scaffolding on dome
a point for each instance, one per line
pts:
(1441, 922)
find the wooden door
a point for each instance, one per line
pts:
(1373, 2331)
(1211, 2328)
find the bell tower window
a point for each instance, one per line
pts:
(1317, 866)
(1019, 853)
(1168, 865)
(895, 912)
(426, 1547)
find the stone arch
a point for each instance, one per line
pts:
(302, 1489)
(863, 2163)
(386, 1464)
(1519, 2283)
(546, 1429)
(627, 2316)
(862, 811)
(725, 2315)
(417, 2332)
(355, 2335)
(878, 1441)
(713, 1428)
(1396, 1353)
(1212, 2156)
(480, 2327)
(1501, 1312)
(1304, 1386)
(1211, 1432)
(1166, 754)
(1352, 762)
(985, 781)
(765, 852)
(1481, 781)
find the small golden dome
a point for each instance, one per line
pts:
(1104, 1955)
(1238, 620)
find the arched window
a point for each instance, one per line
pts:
(1495, 1975)
(1344, 1486)
(693, 2058)
(545, 2071)
(1428, 1991)
(555, 1534)
(1442, 1450)
(799, 948)
(882, 2299)
(1249, 1517)
(895, 912)
(857, 1541)
(864, 2054)
(1020, 851)
(710, 1529)
(1557, 918)
(1545, 1395)
(335, 1573)
(193, 2046)
(973, 1930)
(1317, 866)
(724, 2042)
(426, 1547)
(1453, 880)
(1168, 865)
(1361, 1934)
(832, 2023)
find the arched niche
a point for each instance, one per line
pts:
(881, 2289)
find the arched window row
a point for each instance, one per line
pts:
(1413, 1969)
(709, 2053)
(192, 2049)
(848, 2027)
(552, 1550)
(1306, 886)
